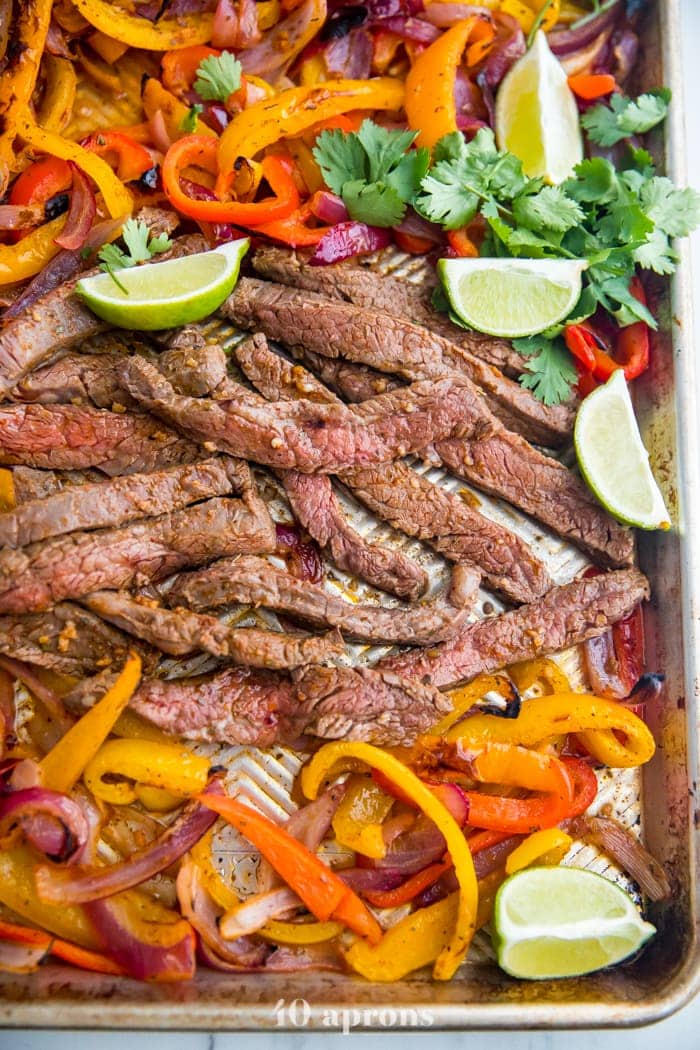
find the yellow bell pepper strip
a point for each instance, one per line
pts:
(64, 764)
(291, 112)
(330, 756)
(116, 196)
(197, 150)
(514, 766)
(547, 716)
(157, 799)
(168, 766)
(300, 932)
(107, 47)
(357, 822)
(201, 855)
(547, 846)
(525, 13)
(31, 254)
(166, 34)
(465, 698)
(7, 489)
(19, 77)
(430, 100)
(323, 893)
(155, 97)
(132, 725)
(268, 12)
(542, 672)
(59, 94)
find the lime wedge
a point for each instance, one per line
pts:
(165, 294)
(613, 459)
(564, 922)
(537, 117)
(512, 297)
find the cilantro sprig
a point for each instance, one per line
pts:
(141, 246)
(609, 123)
(374, 170)
(218, 76)
(189, 121)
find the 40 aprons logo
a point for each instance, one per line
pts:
(296, 1013)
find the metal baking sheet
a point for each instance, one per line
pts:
(661, 803)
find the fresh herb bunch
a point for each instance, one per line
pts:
(141, 247)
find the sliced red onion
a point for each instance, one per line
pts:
(414, 225)
(52, 822)
(624, 848)
(381, 9)
(224, 31)
(596, 55)
(350, 56)
(467, 95)
(7, 710)
(494, 857)
(625, 48)
(49, 698)
(277, 48)
(16, 957)
(221, 232)
(564, 41)
(133, 941)
(454, 800)
(57, 43)
(159, 133)
(362, 880)
(89, 884)
(414, 29)
(216, 116)
(508, 47)
(328, 207)
(248, 32)
(347, 240)
(21, 216)
(418, 847)
(446, 15)
(18, 774)
(302, 556)
(281, 959)
(253, 913)
(203, 913)
(81, 213)
(309, 825)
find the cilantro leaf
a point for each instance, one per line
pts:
(341, 159)
(384, 148)
(189, 121)
(676, 212)
(218, 76)
(113, 257)
(135, 235)
(549, 208)
(622, 117)
(160, 243)
(550, 372)
(406, 176)
(373, 203)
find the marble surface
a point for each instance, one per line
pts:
(680, 1031)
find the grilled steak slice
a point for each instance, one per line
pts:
(194, 366)
(68, 639)
(408, 501)
(30, 484)
(566, 616)
(309, 437)
(35, 577)
(392, 295)
(114, 502)
(57, 322)
(347, 379)
(339, 329)
(72, 437)
(317, 508)
(254, 581)
(77, 379)
(181, 632)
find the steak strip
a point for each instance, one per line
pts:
(409, 502)
(363, 287)
(566, 616)
(254, 581)
(181, 632)
(59, 321)
(35, 577)
(339, 329)
(114, 502)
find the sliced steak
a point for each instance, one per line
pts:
(113, 502)
(392, 295)
(35, 577)
(194, 366)
(405, 499)
(57, 322)
(310, 437)
(73, 437)
(347, 379)
(340, 329)
(68, 639)
(566, 616)
(77, 379)
(254, 581)
(181, 632)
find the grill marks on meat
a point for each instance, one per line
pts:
(340, 329)
(310, 437)
(35, 577)
(117, 501)
(254, 581)
(566, 616)
(392, 295)
(182, 632)
(74, 437)
(57, 322)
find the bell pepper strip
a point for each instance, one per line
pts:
(168, 766)
(218, 890)
(197, 150)
(291, 112)
(154, 97)
(33, 946)
(561, 713)
(548, 846)
(430, 98)
(306, 165)
(130, 724)
(31, 253)
(461, 244)
(410, 888)
(300, 932)
(59, 94)
(526, 12)
(180, 67)
(65, 763)
(631, 350)
(166, 34)
(293, 230)
(18, 79)
(41, 181)
(323, 893)
(408, 242)
(107, 47)
(462, 930)
(590, 86)
(116, 196)
(126, 156)
(156, 799)
(542, 672)
(585, 785)
(7, 490)
(357, 822)
(84, 959)
(18, 892)
(464, 698)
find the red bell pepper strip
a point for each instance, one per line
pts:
(408, 242)
(585, 785)
(202, 151)
(128, 158)
(41, 181)
(323, 893)
(589, 86)
(410, 888)
(631, 352)
(461, 244)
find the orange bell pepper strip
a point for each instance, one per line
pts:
(198, 150)
(293, 111)
(72, 953)
(129, 158)
(164, 35)
(461, 244)
(410, 888)
(293, 230)
(155, 97)
(408, 242)
(430, 101)
(180, 67)
(323, 893)
(590, 86)
(7, 490)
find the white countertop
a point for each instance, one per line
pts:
(681, 1032)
